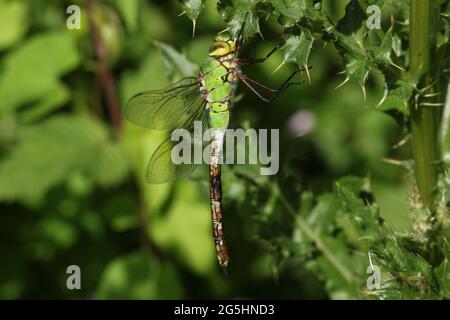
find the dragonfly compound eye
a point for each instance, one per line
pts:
(220, 48)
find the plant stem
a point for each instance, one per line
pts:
(424, 118)
(103, 69)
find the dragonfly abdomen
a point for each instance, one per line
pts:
(216, 197)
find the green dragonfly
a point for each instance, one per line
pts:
(206, 98)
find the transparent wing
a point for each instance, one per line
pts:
(161, 166)
(169, 108)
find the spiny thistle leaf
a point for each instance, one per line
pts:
(405, 87)
(383, 51)
(289, 12)
(240, 13)
(297, 48)
(192, 8)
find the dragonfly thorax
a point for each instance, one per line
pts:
(218, 78)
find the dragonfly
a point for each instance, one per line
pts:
(207, 98)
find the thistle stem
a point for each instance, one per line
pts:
(424, 119)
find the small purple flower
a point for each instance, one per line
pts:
(301, 123)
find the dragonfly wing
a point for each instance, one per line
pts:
(168, 108)
(161, 167)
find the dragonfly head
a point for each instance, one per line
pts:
(223, 45)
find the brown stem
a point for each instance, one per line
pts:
(103, 70)
(147, 241)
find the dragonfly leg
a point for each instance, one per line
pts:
(254, 60)
(287, 84)
(277, 92)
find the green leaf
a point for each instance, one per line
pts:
(192, 8)
(60, 233)
(47, 153)
(297, 48)
(32, 71)
(291, 11)
(187, 237)
(399, 88)
(139, 276)
(175, 62)
(54, 99)
(14, 22)
(346, 193)
(443, 36)
(365, 218)
(405, 86)
(322, 216)
(384, 49)
(238, 12)
(338, 287)
(352, 48)
(358, 69)
(442, 274)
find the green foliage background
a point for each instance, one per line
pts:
(72, 191)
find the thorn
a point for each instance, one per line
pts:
(261, 35)
(400, 143)
(307, 73)
(427, 87)
(277, 68)
(429, 104)
(193, 27)
(397, 66)
(343, 82)
(364, 93)
(392, 161)
(383, 98)
(224, 30)
(224, 270)
(341, 72)
(184, 12)
(430, 95)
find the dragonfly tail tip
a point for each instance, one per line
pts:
(224, 270)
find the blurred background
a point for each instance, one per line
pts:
(72, 170)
